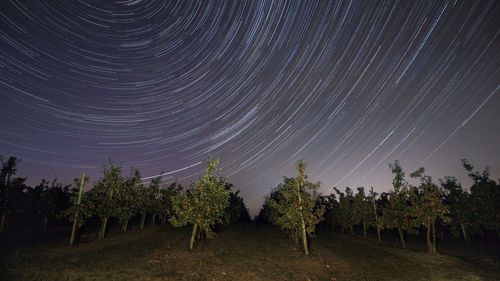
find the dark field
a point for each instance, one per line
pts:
(239, 252)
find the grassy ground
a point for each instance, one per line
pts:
(239, 252)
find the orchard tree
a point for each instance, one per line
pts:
(142, 201)
(106, 195)
(427, 206)
(54, 199)
(331, 206)
(296, 209)
(237, 210)
(203, 205)
(345, 212)
(9, 168)
(376, 215)
(34, 198)
(485, 199)
(126, 205)
(166, 197)
(81, 208)
(397, 212)
(18, 201)
(268, 214)
(278, 204)
(460, 207)
(155, 206)
(363, 210)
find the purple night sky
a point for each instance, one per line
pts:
(347, 86)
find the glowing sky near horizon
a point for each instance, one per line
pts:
(347, 86)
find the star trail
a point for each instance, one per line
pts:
(347, 86)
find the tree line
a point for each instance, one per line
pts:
(295, 205)
(206, 204)
(406, 209)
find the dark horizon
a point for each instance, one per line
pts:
(347, 87)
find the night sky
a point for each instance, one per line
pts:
(347, 86)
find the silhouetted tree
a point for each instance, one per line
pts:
(9, 168)
(54, 199)
(363, 210)
(331, 205)
(237, 210)
(460, 207)
(345, 211)
(485, 199)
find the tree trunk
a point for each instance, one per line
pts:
(434, 249)
(125, 226)
(304, 237)
(73, 233)
(2, 224)
(153, 220)
(402, 238)
(198, 234)
(364, 230)
(5, 205)
(379, 239)
(193, 235)
(75, 219)
(103, 228)
(105, 220)
(464, 232)
(303, 226)
(351, 230)
(429, 243)
(143, 218)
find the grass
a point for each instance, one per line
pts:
(239, 252)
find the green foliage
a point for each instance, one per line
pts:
(51, 199)
(125, 198)
(86, 208)
(363, 213)
(427, 200)
(142, 199)
(363, 207)
(204, 204)
(485, 199)
(345, 212)
(427, 206)
(331, 206)
(293, 207)
(237, 210)
(167, 196)
(397, 213)
(459, 204)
